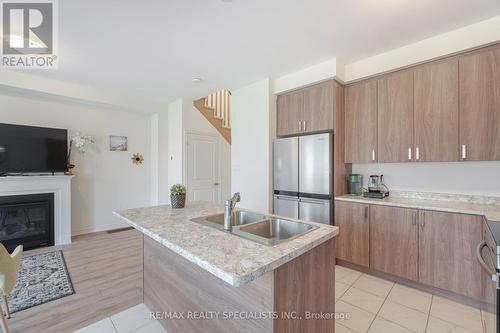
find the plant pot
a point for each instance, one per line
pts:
(178, 201)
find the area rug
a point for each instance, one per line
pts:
(42, 278)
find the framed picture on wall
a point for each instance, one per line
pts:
(118, 143)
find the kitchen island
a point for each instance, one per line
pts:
(200, 279)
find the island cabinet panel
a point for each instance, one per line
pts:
(394, 241)
(395, 117)
(447, 252)
(436, 112)
(306, 285)
(480, 105)
(172, 283)
(290, 113)
(353, 241)
(361, 122)
(303, 285)
(319, 107)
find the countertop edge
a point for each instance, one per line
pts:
(231, 279)
(417, 206)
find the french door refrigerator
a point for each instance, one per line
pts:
(302, 171)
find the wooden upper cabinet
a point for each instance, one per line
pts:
(352, 243)
(319, 107)
(436, 112)
(361, 122)
(395, 117)
(480, 105)
(394, 241)
(447, 252)
(290, 112)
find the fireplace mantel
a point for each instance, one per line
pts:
(60, 185)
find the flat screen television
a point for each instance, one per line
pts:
(28, 149)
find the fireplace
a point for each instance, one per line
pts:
(27, 220)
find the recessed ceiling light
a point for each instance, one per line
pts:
(196, 79)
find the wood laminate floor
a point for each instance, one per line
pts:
(106, 271)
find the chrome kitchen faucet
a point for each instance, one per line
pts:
(228, 211)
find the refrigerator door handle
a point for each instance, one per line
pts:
(281, 197)
(315, 201)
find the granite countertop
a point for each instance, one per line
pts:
(233, 259)
(464, 204)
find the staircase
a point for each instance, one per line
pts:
(216, 108)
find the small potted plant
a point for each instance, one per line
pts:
(178, 196)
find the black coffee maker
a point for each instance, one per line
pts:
(376, 187)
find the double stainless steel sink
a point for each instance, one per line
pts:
(263, 229)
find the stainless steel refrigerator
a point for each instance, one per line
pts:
(303, 177)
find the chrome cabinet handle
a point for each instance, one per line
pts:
(304, 126)
(422, 220)
(373, 154)
(417, 153)
(366, 212)
(414, 218)
(464, 152)
(300, 126)
(409, 154)
(483, 264)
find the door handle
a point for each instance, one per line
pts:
(422, 220)
(315, 201)
(483, 264)
(373, 155)
(417, 153)
(300, 126)
(287, 199)
(409, 154)
(366, 212)
(304, 126)
(414, 218)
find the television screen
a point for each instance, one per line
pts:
(32, 149)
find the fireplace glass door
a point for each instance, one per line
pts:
(27, 220)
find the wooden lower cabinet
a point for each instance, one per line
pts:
(352, 243)
(436, 249)
(447, 252)
(394, 241)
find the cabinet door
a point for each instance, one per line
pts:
(290, 111)
(395, 117)
(352, 243)
(436, 112)
(447, 252)
(480, 105)
(394, 241)
(361, 122)
(318, 107)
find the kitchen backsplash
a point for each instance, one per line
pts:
(469, 178)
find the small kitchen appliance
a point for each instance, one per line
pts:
(355, 184)
(376, 187)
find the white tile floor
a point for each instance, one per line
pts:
(379, 306)
(374, 305)
(133, 320)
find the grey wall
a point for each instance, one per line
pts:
(480, 178)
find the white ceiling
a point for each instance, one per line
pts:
(152, 48)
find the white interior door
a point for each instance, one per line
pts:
(203, 167)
